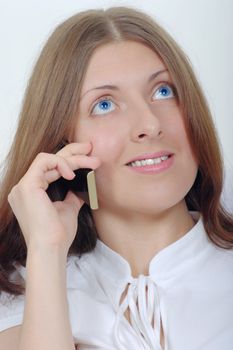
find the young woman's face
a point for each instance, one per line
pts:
(130, 114)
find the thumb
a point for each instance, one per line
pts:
(73, 201)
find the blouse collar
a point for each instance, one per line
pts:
(113, 271)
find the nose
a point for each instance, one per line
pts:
(146, 124)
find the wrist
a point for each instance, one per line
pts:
(45, 252)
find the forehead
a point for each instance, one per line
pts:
(114, 62)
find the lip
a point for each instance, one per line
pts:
(154, 168)
(150, 156)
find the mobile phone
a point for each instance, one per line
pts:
(83, 185)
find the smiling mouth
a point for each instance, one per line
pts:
(149, 161)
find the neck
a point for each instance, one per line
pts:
(138, 238)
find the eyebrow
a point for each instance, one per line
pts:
(115, 88)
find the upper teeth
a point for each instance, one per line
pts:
(150, 161)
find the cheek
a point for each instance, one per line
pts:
(108, 147)
(105, 147)
(177, 135)
(107, 140)
(186, 159)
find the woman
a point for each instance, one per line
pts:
(152, 267)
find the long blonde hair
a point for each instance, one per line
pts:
(51, 105)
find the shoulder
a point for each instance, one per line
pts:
(11, 310)
(225, 256)
(12, 307)
(218, 265)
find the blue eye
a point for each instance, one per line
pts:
(103, 107)
(164, 92)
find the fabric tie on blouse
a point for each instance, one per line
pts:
(142, 302)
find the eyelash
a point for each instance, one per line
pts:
(108, 97)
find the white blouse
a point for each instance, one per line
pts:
(189, 290)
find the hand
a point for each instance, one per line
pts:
(45, 223)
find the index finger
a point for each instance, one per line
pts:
(75, 148)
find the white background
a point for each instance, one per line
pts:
(204, 28)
